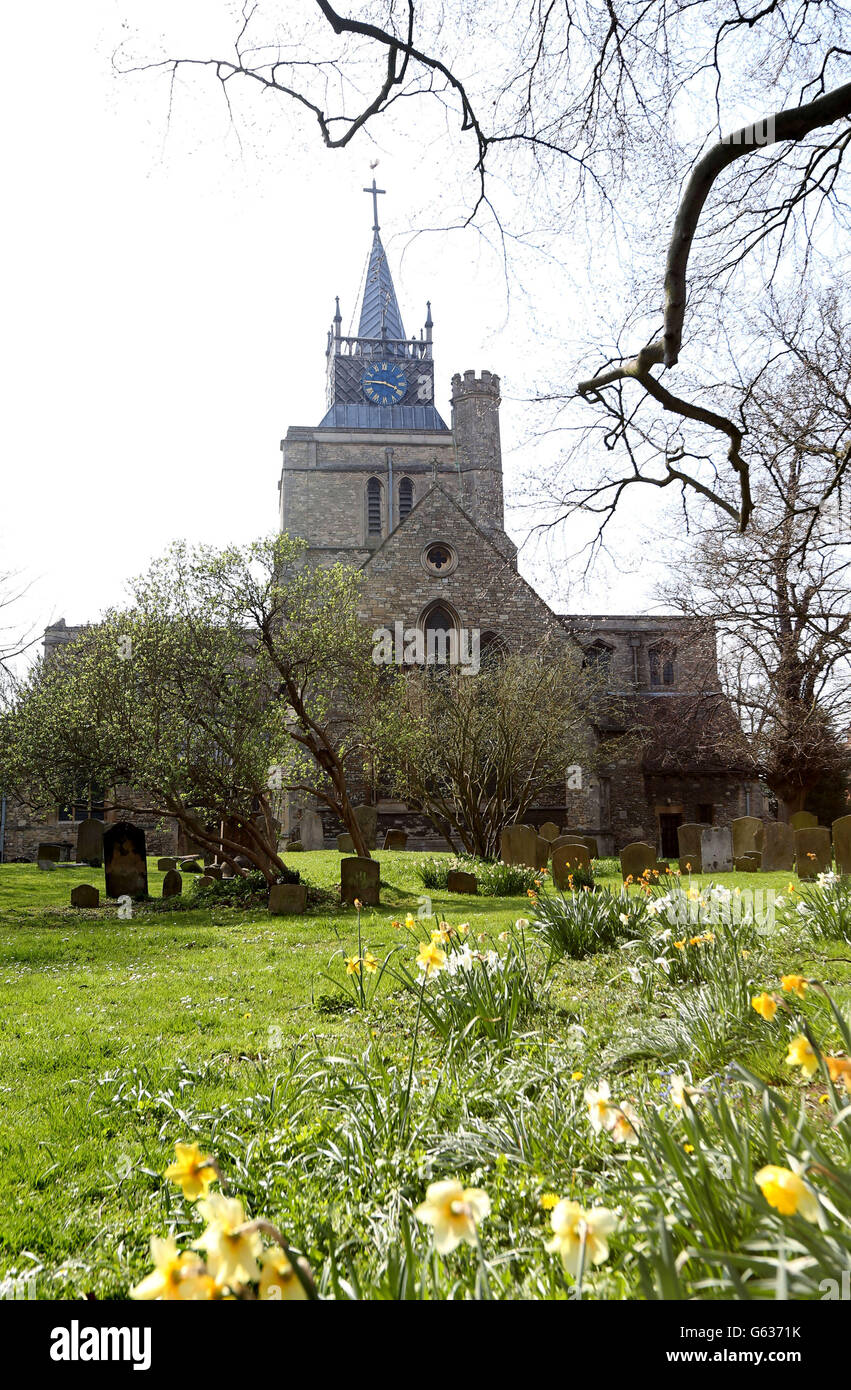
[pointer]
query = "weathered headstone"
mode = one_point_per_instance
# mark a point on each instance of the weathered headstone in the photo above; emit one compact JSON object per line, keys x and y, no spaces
{"x":287,"y":898}
{"x":566,"y":860}
{"x":213,"y":871}
{"x":549,"y":830}
{"x":190,"y":866}
{"x":636,"y":859}
{"x":49,"y":853}
{"x":228,"y":871}
{"x":172,"y":884}
{"x":367,"y":819}
{"x":125,"y":865}
{"x":803,"y":820}
{"x":165,"y":864}
{"x":778,"y":847}
{"x":748,"y":834}
{"x":590,"y":843}
{"x":568,"y":840}
{"x":359,"y":878}
{"x":688,"y":841}
{"x":90,"y":842}
{"x":205,"y":881}
{"x":345,"y":844}
{"x":458,"y":881}
{"x":312,"y":831}
{"x":813,"y":853}
{"x":517,"y":845}
{"x":542,"y":852}
{"x":85,"y":895}
{"x":842,"y":844}
{"x":716,"y":850}
{"x":747,"y":863}
{"x":396,"y":839}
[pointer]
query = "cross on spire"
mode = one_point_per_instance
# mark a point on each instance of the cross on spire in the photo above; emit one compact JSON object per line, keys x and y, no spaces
{"x":375,"y":192}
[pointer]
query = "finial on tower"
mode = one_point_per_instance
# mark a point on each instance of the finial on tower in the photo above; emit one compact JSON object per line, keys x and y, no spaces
{"x":375,"y":192}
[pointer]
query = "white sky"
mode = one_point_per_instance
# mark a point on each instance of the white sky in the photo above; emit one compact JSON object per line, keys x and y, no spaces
{"x":169,"y":284}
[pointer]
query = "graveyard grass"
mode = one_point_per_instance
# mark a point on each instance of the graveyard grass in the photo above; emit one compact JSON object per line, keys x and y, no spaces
{"x":120,"y":1037}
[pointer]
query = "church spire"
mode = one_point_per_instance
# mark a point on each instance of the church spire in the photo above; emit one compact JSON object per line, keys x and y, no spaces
{"x":379,"y":314}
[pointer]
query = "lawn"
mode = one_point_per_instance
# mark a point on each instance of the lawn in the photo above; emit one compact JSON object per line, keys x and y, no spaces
{"x":120,"y":1037}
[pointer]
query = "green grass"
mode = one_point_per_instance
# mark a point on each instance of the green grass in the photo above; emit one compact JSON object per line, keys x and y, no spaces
{"x":120,"y":1036}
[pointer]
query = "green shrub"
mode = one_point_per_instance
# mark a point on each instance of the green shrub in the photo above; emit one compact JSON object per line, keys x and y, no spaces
{"x":581,"y":923}
{"x":496,"y":880}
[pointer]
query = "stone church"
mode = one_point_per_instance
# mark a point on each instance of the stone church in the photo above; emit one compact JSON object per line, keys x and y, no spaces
{"x":385,"y":483}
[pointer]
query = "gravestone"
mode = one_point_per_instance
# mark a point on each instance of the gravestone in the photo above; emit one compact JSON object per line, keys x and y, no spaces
{"x":172,"y":884}
{"x":458,"y":881}
{"x":716,"y":850}
{"x":542,"y":852}
{"x":636,"y":859}
{"x":590,"y":844}
{"x":165,"y":864}
{"x":293,"y":847}
{"x":566,"y":859}
{"x":748,"y":834}
{"x":842,"y":844}
{"x":204,"y":881}
{"x":47,"y":866}
{"x":85,"y":895}
{"x":803,"y":820}
{"x":549,"y":830}
{"x":287,"y":898}
{"x":312,"y":831}
{"x":396,"y":839}
{"x":49,"y":853}
{"x":747,"y":863}
{"x":228,"y":871}
{"x":517,"y":845}
{"x":778,"y":847}
{"x":688,"y":841}
{"x":813,"y":854}
{"x":367,"y":819}
{"x":568,"y":840}
{"x":190,"y":866}
{"x":90,"y":842}
{"x":213,"y":871}
{"x":124,"y":862}
{"x":345,"y":844}
{"x":359,"y":878}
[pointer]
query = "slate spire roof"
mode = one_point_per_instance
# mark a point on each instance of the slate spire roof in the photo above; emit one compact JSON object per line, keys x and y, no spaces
{"x":379,"y":314}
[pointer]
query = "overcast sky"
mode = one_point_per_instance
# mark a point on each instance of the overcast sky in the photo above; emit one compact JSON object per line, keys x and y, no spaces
{"x":170,"y":278}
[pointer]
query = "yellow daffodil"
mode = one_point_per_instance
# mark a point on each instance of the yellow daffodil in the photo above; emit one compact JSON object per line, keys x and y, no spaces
{"x":370,"y":964}
{"x":765,"y":1005}
{"x":358,"y":904}
{"x":409,"y":922}
{"x":440,"y":935}
{"x":279,"y":1280}
{"x":231,"y":1251}
{"x":430,"y":958}
{"x":794,"y":984}
{"x":571,"y":1225}
{"x":352,"y":965}
{"x":840,"y":1070}
{"x":170,"y":1269}
{"x":464,"y":928}
{"x":453,"y":1212}
{"x":680,"y":945}
{"x":787,"y":1192}
{"x":801,"y":1055}
{"x":790,"y":887}
{"x":396,"y":924}
{"x":191,"y":1171}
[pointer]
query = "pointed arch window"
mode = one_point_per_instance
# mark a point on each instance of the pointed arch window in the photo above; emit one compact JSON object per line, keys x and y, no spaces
{"x":441,"y":636}
{"x":662,"y":657}
{"x":373,"y":507}
{"x":406,"y":497}
{"x":598,"y":657}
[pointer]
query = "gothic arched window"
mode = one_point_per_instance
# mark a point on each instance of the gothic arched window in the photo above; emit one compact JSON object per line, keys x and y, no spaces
{"x":598,"y":657}
{"x":406,"y":497}
{"x":440,"y":632}
{"x":373,"y":507}
{"x":662,"y":664}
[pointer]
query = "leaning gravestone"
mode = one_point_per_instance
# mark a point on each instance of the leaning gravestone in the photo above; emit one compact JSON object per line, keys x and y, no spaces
{"x":803,"y":820}
{"x":813,"y":853}
{"x":312,"y":831}
{"x":90,"y":842}
{"x":566,"y":859}
{"x":748,"y":834}
{"x":359,"y":878}
{"x":172,"y":884}
{"x":688,"y":842}
{"x":124,"y":862}
{"x":85,"y":895}
{"x":778,"y":847}
{"x":549,"y":830}
{"x":367,"y":819}
{"x":716,"y":850}
{"x":345,"y":844}
{"x":287,"y":898}
{"x":396,"y":839}
{"x":637,"y":859}
{"x":517,"y":845}
{"x":842,"y":844}
{"x":458,"y":881}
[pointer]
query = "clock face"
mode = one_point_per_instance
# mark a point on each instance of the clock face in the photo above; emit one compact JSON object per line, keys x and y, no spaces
{"x":384,"y":383}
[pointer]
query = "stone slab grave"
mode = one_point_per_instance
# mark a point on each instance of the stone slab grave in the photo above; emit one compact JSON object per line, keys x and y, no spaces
{"x":90,"y":842}
{"x":748,"y":834}
{"x":49,"y":854}
{"x":165,"y":864}
{"x":716,"y":850}
{"x":518,"y":845}
{"x":172,"y":884}
{"x":459,"y":881}
{"x":803,"y":820}
{"x":85,"y":895}
{"x":124,"y":862}
{"x":549,"y":830}
{"x":345,"y":844}
{"x":288,"y":898}
{"x":396,"y":839}
{"x":688,"y":842}
{"x":566,"y":859}
{"x":359,"y":878}
{"x":747,"y":863}
{"x":312,"y":831}
{"x":842,"y":844}
{"x":813,"y":852}
{"x":367,"y":819}
{"x":636,"y":859}
{"x":778,"y":847}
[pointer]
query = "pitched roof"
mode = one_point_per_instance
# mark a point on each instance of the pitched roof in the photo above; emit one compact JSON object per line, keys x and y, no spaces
{"x":379,"y":314}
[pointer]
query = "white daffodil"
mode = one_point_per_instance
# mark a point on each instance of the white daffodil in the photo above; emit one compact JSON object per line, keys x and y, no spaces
{"x":572,"y":1225}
